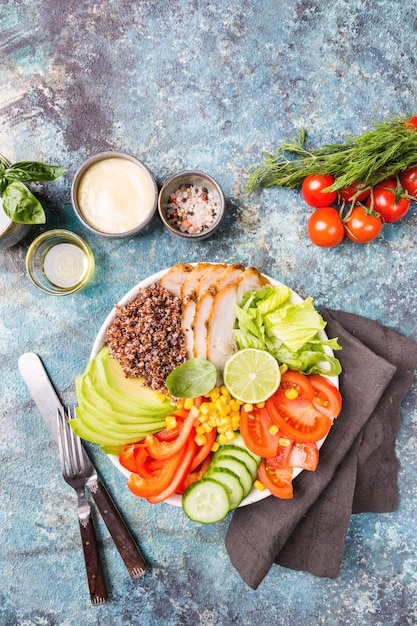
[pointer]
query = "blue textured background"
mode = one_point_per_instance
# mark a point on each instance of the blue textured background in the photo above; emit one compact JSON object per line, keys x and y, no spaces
{"x":199,"y":85}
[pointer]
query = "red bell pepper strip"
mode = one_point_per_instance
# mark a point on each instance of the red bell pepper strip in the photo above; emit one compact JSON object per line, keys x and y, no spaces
{"x":165,"y":449}
{"x":156,"y":481}
{"x":181,"y":471}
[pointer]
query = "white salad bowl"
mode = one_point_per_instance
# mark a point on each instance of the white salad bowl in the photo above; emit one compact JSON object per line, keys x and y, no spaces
{"x":176,"y":500}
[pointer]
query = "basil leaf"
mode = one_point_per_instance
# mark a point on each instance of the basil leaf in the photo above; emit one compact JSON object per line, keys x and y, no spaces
{"x":21,"y":205}
{"x":33,"y":171}
{"x":3,"y":185}
{"x":193,"y":378}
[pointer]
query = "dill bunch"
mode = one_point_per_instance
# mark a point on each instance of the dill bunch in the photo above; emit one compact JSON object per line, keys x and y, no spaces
{"x":389,"y":148}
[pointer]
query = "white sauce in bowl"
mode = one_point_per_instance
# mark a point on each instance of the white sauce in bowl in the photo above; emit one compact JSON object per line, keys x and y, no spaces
{"x":116,"y":195}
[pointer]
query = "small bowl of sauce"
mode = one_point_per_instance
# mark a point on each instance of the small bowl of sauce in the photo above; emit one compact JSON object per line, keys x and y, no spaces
{"x":114,"y":194}
{"x":59,"y":263}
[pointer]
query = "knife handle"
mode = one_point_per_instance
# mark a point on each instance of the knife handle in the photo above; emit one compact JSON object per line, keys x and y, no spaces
{"x":118,"y":530}
{"x":93,"y":566}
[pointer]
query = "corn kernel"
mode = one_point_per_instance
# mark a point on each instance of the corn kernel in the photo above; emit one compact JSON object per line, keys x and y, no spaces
{"x":188,"y":403}
{"x":171,"y":422}
{"x":247,"y":407}
{"x":207,"y":428}
{"x":194,"y":411}
{"x":214,"y":393}
{"x":258,"y":485}
{"x":222,"y":439}
{"x":200,"y":440}
{"x":215,"y":446}
{"x":283,"y":368}
{"x":230,"y":435}
{"x":273,"y":429}
{"x":200,"y":430}
{"x":284,"y":442}
{"x":205,"y":408}
{"x":291,"y":393}
{"x":260,"y":405}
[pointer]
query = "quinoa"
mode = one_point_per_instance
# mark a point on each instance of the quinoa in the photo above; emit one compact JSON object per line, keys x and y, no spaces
{"x":146,"y":336}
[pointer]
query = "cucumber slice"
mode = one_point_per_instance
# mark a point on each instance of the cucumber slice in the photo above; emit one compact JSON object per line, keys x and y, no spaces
{"x":235,"y":466}
{"x":231,"y":482}
{"x":206,"y":501}
{"x":241,"y":454}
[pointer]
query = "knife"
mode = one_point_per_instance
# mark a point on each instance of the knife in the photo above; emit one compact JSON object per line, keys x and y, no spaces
{"x":48,"y":403}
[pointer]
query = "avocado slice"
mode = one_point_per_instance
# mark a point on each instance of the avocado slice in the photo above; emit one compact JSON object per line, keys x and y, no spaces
{"x":100,"y":433}
{"x":131,"y":389}
{"x":113,"y":409}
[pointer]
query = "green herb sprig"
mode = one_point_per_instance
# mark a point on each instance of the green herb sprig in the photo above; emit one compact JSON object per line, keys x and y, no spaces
{"x":371,"y":157}
{"x":19,"y":203}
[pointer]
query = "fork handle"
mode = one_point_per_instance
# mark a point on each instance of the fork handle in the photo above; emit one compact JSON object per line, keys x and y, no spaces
{"x":94,"y":568}
{"x":118,"y":530}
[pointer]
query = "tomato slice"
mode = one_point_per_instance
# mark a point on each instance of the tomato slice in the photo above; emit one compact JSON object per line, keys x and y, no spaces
{"x":299,"y":382}
{"x":298,"y":419}
{"x":304,"y":455}
{"x":278,"y":480}
{"x":254,"y":428}
{"x":327,"y":398}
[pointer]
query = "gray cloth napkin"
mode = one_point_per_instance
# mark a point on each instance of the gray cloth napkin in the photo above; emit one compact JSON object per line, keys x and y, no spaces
{"x":358,"y":466}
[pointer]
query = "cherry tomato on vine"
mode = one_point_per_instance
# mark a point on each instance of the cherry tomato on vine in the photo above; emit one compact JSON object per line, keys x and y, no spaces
{"x":347,"y":193}
{"x":361,"y":227}
{"x":408,"y":179}
{"x":387,"y":203}
{"x":325,"y":228}
{"x":312,"y":190}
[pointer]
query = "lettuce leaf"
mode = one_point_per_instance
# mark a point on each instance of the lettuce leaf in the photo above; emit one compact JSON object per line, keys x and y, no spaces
{"x":267,"y":319}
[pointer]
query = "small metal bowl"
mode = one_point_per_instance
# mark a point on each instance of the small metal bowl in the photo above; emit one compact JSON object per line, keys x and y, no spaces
{"x":205,"y":186}
{"x":97,"y":194}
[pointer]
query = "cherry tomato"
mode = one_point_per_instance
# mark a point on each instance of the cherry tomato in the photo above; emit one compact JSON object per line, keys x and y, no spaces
{"x":291,"y":408}
{"x":408,"y":179}
{"x":412,"y":123}
{"x":387,"y":203}
{"x":312,"y":190}
{"x":254,"y":428}
{"x":278,"y":480}
{"x":362,"y":227}
{"x":347,"y":194}
{"x":325,"y":228}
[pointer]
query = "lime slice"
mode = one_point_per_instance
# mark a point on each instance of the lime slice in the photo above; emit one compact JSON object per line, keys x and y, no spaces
{"x":251,"y":375}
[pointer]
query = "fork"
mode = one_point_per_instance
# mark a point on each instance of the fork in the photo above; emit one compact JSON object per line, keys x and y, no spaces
{"x":75,"y":472}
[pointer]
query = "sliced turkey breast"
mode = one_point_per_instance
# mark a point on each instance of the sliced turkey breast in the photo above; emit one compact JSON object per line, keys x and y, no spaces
{"x":203,"y":307}
{"x":175,"y":277}
{"x":222,"y":317}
